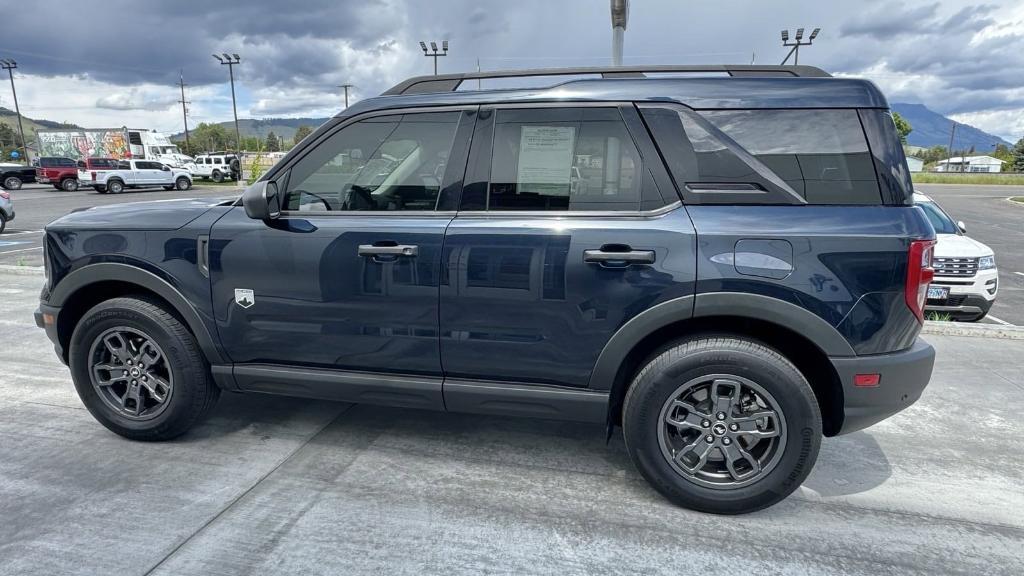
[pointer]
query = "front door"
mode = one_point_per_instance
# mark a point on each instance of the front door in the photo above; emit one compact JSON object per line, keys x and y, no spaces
{"x":565,"y":232}
{"x":347,"y":277}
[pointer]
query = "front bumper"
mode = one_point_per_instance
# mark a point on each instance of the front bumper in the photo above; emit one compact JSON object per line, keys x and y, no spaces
{"x":46,"y":318}
{"x":902,"y":378}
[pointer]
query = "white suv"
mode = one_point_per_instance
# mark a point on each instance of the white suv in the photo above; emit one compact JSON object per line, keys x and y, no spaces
{"x":214,"y":166}
{"x":966,"y":279}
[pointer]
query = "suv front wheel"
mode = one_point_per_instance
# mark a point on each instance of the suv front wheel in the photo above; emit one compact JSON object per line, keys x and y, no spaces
{"x":139,"y":371}
{"x":722,"y":425}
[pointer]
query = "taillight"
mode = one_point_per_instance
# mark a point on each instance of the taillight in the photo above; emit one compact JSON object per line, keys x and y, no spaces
{"x":919,"y":274}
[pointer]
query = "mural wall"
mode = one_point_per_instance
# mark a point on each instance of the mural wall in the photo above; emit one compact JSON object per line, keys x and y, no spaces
{"x":79,"y":144}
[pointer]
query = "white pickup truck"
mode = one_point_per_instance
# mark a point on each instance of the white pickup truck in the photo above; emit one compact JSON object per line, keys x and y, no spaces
{"x":133,"y":174}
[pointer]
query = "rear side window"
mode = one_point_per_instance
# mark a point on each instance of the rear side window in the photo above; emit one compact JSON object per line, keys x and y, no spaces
{"x":102,"y":163}
{"x":551,"y":159}
{"x":820,"y":156}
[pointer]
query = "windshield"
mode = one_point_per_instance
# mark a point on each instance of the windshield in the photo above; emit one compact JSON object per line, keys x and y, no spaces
{"x":942,"y":223}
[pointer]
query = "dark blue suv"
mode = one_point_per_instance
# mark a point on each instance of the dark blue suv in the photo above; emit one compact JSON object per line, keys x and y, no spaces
{"x":726,"y":263}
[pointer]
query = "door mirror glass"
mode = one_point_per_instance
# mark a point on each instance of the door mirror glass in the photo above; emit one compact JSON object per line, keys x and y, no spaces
{"x":261,"y":201}
{"x":165,"y":168}
{"x":963,"y":227}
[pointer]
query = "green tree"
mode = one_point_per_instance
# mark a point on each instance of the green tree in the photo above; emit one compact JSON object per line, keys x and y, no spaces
{"x":210,"y":137}
{"x":301,"y":132}
{"x":902,"y":126}
{"x":1018,"y":156}
{"x":272,"y":143}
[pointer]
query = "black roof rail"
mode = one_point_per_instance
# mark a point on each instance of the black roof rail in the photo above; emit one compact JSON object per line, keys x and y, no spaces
{"x":451,"y":82}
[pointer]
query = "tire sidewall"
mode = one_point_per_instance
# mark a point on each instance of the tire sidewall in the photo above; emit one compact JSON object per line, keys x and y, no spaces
{"x":69,"y":185}
{"x":115,"y":187}
{"x":182,"y":187}
{"x":791,"y":392}
{"x":12,"y":183}
{"x":184,"y":372}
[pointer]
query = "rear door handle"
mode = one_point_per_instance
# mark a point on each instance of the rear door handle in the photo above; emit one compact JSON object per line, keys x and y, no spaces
{"x":620,"y":257}
{"x":388,"y":250}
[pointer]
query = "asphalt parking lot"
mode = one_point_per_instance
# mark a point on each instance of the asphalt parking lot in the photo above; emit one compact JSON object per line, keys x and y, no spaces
{"x":36,"y":205}
{"x":276,"y":485}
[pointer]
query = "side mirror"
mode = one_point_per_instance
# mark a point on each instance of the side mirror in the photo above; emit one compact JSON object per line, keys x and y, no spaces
{"x":81,"y":164}
{"x":165,"y":168}
{"x":261,"y":201}
{"x":963,"y":227}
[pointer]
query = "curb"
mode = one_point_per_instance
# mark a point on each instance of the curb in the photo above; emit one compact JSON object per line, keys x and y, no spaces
{"x":973,"y":330}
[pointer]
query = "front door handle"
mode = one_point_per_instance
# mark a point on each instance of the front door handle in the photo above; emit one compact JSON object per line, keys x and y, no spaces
{"x":388,"y":250}
{"x":618,"y":257}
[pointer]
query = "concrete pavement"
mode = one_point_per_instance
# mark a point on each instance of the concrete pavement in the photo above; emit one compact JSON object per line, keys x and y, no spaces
{"x":276,"y":485}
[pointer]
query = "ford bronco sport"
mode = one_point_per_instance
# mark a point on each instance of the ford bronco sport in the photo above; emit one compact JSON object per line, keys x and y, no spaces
{"x":728,"y":268}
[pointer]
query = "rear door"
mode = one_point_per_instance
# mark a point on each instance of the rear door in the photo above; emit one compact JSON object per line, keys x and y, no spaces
{"x":568,"y":227}
{"x":347,"y":278}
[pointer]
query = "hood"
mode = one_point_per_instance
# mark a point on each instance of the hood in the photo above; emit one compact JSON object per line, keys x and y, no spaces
{"x":154,"y":215}
{"x":956,"y":246}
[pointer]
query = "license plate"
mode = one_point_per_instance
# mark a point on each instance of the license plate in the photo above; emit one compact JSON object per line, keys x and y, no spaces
{"x":938,"y":292}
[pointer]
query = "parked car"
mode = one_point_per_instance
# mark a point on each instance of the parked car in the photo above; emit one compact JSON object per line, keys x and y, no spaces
{"x":217,"y":166}
{"x":6,"y":209}
{"x":735,"y":269}
{"x":93,"y":170}
{"x":138,"y":174}
{"x":966,"y":279}
{"x":62,"y":173}
{"x":12,"y":176}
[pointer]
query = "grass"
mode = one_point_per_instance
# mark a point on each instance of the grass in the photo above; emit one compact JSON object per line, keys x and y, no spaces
{"x":967,"y":178}
{"x":1018,"y":199}
{"x":227,"y":183}
{"x":938,"y":316}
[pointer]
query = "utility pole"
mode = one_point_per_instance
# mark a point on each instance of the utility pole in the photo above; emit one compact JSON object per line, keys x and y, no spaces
{"x":230,"y":60}
{"x":795,"y":50}
{"x":620,"y":14}
{"x":184,"y":110}
{"x":435,"y":55}
{"x":949,"y":161}
{"x":10,"y":65}
{"x":346,"y":87}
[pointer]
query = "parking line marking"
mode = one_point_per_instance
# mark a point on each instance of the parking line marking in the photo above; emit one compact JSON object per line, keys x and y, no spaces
{"x":22,"y":250}
{"x":22,"y":232}
{"x":1019,"y":273}
{"x":999,"y":321}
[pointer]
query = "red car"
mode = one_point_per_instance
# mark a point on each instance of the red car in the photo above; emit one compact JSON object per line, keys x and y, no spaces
{"x":61,"y":172}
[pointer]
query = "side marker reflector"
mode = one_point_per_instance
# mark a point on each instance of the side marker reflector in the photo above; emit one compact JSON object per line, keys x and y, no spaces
{"x":866,"y":380}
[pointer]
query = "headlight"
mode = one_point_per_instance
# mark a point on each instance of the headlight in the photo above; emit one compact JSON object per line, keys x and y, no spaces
{"x":986,"y":262}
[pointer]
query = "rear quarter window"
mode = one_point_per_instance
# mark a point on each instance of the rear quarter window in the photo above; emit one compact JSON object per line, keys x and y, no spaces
{"x":813,"y":156}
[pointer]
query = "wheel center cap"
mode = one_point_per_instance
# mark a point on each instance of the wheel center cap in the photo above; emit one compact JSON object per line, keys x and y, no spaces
{"x":135,"y":372}
{"x":719,"y":429}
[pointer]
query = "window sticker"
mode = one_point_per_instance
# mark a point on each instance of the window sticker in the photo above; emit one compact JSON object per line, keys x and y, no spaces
{"x":545,"y":159}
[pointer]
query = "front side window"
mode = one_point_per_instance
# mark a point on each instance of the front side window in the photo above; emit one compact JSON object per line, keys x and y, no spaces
{"x":559,"y":159}
{"x":942,"y":223}
{"x":392,"y":162}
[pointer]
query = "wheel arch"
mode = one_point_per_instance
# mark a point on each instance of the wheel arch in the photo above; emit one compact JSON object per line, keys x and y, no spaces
{"x":82,"y":289}
{"x":807,"y":342}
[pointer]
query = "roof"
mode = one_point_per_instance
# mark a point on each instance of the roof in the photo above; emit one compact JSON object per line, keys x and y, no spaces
{"x":972,"y":160}
{"x":743,"y":87}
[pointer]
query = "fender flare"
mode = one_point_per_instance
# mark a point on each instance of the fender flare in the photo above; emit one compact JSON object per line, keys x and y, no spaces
{"x":107,"y":271}
{"x":734,"y":304}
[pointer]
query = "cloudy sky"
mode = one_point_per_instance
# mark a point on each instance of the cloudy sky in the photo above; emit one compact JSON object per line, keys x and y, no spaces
{"x":117,"y":62}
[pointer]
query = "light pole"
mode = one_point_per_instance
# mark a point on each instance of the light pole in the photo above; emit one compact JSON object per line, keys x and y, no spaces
{"x":346,"y":87}
{"x":620,"y":14}
{"x":230,"y":60}
{"x":184,"y":109}
{"x":797,"y":43}
{"x":435,"y":54}
{"x":10,"y":65}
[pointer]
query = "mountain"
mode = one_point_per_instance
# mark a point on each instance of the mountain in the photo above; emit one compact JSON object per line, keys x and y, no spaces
{"x":10,"y":118}
{"x":932,"y":129}
{"x":282,"y":127}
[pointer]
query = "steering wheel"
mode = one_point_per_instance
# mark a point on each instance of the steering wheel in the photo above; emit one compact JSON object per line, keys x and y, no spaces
{"x":360,"y":193}
{"x":319,"y":198}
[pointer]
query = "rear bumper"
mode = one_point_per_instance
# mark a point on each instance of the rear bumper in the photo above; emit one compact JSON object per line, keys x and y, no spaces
{"x":903,"y":377}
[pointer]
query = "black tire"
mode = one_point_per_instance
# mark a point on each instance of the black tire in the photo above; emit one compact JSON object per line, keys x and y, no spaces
{"x":168,"y":187}
{"x":69,"y":184}
{"x":192,"y":393}
{"x":182,"y":184}
{"x":100,"y":189}
{"x":218,"y":176}
{"x":57,"y":187}
{"x":115,"y":186}
{"x":3,"y":222}
{"x":654,"y":389}
{"x":12,"y":183}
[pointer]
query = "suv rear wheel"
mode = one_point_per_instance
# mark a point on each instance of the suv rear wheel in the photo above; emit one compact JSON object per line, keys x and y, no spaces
{"x":218,"y":176}
{"x":139,"y":371}
{"x":722,"y":424}
{"x":69,"y":184}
